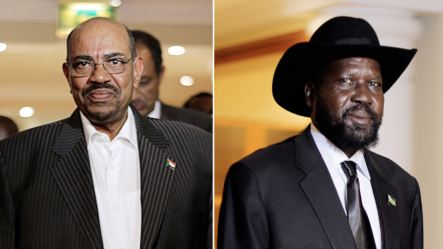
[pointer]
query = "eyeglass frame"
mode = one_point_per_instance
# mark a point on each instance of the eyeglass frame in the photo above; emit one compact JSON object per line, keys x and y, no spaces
{"x":94,"y":64}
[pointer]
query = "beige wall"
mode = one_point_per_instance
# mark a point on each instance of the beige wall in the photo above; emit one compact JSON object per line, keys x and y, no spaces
{"x":244,"y":92}
{"x":428,"y":123}
{"x":246,"y":115}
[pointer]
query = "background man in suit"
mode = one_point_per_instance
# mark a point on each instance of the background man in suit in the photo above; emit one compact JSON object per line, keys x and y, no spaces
{"x":324,"y":188}
{"x":146,"y":95}
{"x":201,"y":101}
{"x":105,"y":177}
{"x":7,"y":127}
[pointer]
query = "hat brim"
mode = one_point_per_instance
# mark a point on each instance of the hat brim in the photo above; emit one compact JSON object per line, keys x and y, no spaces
{"x":301,"y":60}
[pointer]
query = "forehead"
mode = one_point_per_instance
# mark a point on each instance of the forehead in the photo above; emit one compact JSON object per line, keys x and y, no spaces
{"x":144,"y":53}
{"x":353,"y":63}
{"x":99,"y":38}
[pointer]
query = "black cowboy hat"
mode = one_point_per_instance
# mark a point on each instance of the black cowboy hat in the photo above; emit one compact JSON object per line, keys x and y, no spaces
{"x":340,"y":37}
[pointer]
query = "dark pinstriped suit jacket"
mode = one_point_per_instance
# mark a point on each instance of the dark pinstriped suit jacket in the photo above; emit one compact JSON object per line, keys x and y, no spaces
{"x":47,"y":195}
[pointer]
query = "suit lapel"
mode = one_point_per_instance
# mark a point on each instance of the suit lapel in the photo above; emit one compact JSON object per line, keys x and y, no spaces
{"x":157,"y":171}
{"x":73,"y":176}
{"x":321,"y":193}
{"x":165,"y":112}
{"x":385,"y":195}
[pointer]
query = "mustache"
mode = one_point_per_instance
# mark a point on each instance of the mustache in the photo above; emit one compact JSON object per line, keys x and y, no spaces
{"x":105,"y":85}
{"x":359,"y":107}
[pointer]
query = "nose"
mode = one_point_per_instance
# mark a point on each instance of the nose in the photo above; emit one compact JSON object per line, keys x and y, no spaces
{"x":99,"y":74}
{"x":362,"y":93}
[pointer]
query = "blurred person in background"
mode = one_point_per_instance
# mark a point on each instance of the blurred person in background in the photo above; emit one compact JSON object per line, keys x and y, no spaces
{"x":201,"y":101}
{"x":146,"y":96}
{"x":7,"y":127}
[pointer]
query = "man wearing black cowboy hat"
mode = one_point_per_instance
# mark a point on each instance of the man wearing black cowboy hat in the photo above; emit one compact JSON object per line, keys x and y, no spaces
{"x":324,"y":188}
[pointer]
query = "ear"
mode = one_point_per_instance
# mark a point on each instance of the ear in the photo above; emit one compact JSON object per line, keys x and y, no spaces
{"x":65,"y":67}
{"x":160,"y":75}
{"x":66,"y":73}
{"x":309,"y":93}
{"x":138,"y":70}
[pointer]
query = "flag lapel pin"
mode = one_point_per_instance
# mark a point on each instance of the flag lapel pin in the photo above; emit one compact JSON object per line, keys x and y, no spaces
{"x":392,"y":201}
{"x":171,"y":164}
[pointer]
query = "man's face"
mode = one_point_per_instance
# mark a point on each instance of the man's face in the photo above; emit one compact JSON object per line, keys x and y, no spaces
{"x":146,"y":93}
{"x":347,"y":102}
{"x":102,"y":96}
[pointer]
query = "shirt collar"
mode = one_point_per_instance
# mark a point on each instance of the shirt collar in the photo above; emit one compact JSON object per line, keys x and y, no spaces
{"x":156,"y":112}
{"x":128,"y":131}
{"x":331,"y":153}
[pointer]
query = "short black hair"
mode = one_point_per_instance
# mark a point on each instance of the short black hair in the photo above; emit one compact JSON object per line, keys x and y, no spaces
{"x":188,"y":103}
{"x":151,"y":43}
{"x":9,"y":125}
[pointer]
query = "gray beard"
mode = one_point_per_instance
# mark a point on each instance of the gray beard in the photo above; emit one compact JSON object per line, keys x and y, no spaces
{"x":344,"y":135}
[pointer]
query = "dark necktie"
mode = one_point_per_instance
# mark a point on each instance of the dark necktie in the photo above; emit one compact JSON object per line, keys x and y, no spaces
{"x":358,"y":220}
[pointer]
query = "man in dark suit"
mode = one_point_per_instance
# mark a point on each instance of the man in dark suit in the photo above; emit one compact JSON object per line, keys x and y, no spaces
{"x":105,"y":177}
{"x":146,"y":95}
{"x":324,"y":188}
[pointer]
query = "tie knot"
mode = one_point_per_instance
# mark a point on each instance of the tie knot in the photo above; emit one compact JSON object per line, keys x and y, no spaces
{"x":349,"y":168}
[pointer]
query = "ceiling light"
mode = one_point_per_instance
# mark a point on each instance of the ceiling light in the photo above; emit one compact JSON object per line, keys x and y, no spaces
{"x":176,"y":50}
{"x":186,"y":80}
{"x":115,"y":3}
{"x":3,"y":46}
{"x":26,"y":112}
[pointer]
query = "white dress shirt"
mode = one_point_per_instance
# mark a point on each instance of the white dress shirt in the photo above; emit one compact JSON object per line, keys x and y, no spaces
{"x":157,"y":111}
{"x":115,"y":167}
{"x":333,"y":156}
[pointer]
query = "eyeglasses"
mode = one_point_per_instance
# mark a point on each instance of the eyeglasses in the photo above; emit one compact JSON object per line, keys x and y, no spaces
{"x":83,"y":68}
